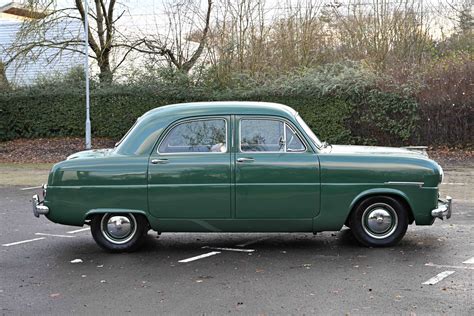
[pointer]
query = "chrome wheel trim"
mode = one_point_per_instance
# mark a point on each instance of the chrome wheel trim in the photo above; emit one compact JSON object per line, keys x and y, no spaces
{"x":119,"y":228}
{"x":379,"y":220}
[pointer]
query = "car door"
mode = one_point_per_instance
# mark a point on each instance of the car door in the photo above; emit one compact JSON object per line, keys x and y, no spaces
{"x":189,"y":173}
{"x":277,"y":173}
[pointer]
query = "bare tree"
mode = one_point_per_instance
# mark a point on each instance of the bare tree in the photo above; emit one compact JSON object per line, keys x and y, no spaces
{"x":178,"y":46}
{"x":380,"y":30}
{"x":57,"y":30}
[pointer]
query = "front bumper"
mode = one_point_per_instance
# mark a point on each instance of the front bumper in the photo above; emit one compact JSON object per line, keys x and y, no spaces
{"x":444,"y":208}
{"x":38,"y":207}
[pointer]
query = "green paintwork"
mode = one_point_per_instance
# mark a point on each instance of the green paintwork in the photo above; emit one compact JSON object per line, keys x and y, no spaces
{"x":307,"y":191}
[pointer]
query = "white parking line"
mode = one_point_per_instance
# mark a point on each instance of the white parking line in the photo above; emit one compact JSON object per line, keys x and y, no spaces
{"x":430,"y":264}
{"x":22,"y":242}
{"x":78,"y":230}
{"x":228,"y":249}
{"x":469,"y":261}
{"x":205,"y":255}
{"x":438,"y":277}
{"x":54,"y":235}
{"x":252,"y":242}
{"x":453,"y":183}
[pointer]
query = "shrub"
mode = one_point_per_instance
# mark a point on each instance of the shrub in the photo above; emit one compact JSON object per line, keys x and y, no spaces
{"x":342,"y":103}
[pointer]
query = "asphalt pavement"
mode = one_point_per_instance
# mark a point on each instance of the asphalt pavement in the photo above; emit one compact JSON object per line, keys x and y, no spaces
{"x":47,"y":268}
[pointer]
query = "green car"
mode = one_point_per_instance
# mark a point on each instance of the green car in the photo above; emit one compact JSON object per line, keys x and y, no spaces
{"x":239,"y":167}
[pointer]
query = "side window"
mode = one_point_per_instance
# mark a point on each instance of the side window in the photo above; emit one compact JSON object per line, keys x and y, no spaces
{"x":293,"y":142}
{"x":208,"y":136}
{"x":262,"y":135}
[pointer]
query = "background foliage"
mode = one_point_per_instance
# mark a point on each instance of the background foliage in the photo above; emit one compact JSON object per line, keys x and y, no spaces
{"x":342,"y":103}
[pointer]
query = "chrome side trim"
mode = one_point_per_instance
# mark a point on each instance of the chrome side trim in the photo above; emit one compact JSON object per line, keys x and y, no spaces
{"x":404,"y":183}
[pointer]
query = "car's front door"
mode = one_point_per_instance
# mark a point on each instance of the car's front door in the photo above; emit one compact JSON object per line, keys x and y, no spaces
{"x":189,"y":173}
{"x":277,"y":173}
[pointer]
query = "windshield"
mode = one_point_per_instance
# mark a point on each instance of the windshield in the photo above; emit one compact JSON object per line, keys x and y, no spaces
{"x":126,"y":134}
{"x":308,"y":131}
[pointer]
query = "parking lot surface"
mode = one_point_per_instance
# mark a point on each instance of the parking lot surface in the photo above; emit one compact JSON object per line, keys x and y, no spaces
{"x":47,"y":268}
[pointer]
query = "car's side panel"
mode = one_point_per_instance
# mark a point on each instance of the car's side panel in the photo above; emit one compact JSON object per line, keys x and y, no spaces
{"x":277,"y":185}
{"x":79,"y":186}
{"x":346,"y":179}
{"x":190,"y":186}
{"x":233,"y":225}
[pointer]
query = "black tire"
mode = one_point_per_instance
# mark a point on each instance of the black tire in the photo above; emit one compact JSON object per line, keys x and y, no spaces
{"x":379,"y":221}
{"x":127,"y":235}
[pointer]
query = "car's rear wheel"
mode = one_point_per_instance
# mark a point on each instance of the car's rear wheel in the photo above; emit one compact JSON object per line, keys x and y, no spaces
{"x":119,"y":232}
{"x":379,"y":221}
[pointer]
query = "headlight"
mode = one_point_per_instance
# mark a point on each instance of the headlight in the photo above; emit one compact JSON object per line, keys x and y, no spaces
{"x":441,"y":174}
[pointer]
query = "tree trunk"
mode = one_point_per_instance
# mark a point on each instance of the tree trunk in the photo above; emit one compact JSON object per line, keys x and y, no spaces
{"x":105,"y":74}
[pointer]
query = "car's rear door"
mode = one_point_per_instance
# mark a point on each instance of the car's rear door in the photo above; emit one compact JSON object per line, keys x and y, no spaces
{"x":277,"y":174}
{"x":189,"y":174}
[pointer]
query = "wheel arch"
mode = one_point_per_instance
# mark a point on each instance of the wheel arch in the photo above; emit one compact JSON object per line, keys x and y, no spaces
{"x":88,"y":215}
{"x":393,"y":193}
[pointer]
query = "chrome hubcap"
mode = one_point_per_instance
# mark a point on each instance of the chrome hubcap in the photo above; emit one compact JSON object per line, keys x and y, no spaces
{"x":118,"y":229}
{"x":379,"y":220}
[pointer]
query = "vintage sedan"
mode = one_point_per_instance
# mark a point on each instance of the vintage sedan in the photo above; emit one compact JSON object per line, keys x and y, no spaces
{"x":239,"y":167}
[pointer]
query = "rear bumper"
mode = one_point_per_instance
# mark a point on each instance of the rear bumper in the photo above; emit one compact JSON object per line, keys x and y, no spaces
{"x":38,"y":207}
{"x":444,"y":208}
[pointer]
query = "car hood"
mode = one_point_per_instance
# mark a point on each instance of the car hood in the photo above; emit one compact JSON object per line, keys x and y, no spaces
{"x":94,"y":153}
{"x":376,"y":150}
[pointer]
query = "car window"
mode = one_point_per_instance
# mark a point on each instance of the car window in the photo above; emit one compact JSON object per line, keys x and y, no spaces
{"x":206,"y":136}
{"x":261,"y":135}
{"x":293,"y":142}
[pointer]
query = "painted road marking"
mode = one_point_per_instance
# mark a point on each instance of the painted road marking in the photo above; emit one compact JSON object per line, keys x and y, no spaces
{"x":252,"y":242}
{"x":228,"y":249}
{"x":31,"y":188}
{"x":469,"y":261}
{"x":453,"y":183}
{"x":430,"y":264}
{"x":22,"y":242}
{"x":78,"y":230}
{"x":438,"y":277}
{"x":54,"y":235}
{"x":205,"y":255}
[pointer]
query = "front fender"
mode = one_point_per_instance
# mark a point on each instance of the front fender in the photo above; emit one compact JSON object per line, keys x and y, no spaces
{"x":380,"y":191}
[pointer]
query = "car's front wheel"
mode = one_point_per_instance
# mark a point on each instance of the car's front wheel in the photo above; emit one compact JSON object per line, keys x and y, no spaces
{"x":119,"y":232}
{"x":379,"y":221}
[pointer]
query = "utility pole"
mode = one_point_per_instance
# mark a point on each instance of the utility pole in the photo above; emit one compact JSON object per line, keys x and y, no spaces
{"x":86,"y":69}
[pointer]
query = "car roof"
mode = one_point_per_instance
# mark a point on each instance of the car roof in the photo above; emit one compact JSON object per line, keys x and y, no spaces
{"x":222,"y":108}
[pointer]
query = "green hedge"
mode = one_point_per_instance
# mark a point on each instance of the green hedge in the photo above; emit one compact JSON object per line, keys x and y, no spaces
{"x":36,"y":113}
{"x":341,"y":104}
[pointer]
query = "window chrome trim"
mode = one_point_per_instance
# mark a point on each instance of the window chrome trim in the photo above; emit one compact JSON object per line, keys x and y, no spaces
{"x":271,"y":118}
{"x":187,"y":120}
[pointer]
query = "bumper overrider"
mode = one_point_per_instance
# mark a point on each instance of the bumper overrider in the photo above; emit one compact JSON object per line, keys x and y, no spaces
{"x":444,"y":208}
{"x":38,"y":206}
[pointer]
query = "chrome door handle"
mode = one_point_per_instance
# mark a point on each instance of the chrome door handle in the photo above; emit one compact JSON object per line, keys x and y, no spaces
{"x":245,"y":159}
{"x":159,"y":161}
